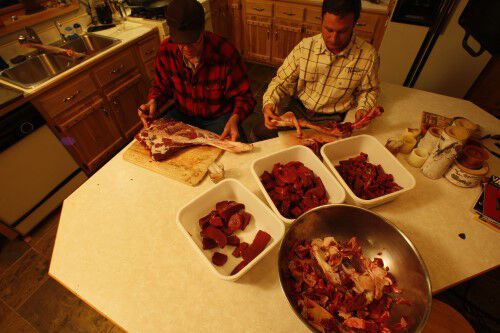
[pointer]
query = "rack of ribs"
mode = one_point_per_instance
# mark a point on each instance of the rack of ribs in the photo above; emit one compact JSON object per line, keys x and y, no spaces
{"x":165,"y":137}
{"x":332,"y":129}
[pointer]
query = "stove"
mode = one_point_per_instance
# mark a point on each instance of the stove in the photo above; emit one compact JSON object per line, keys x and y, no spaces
{"x":150,"y":14}
{"x":155,"y":17}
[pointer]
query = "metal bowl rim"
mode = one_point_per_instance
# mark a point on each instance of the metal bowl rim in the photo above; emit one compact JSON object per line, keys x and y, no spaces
{"x":412,"y":246}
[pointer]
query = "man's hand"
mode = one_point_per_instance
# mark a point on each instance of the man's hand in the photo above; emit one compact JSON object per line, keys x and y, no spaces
{"x":231,"y":129}
{"x":270,"y":114}
{"x":147,"y":112}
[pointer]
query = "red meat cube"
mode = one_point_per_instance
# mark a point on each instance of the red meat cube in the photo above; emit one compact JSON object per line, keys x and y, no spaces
{"x":219,"y":259}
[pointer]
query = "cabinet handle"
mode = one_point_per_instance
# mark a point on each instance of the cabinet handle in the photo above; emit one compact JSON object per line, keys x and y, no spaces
{"x":70,"y":98}
{"x":361,"y":24}
{"x":289,"y":14}
{"x":258,"y":9}
{"x":106,"y":113}
{"x":116,"y":70}
{"x":268,"y":33}
{"x":276,"y":35}
{"x":317,"y":17}
{"x":148,"y":52}
{"x":115,"y":102}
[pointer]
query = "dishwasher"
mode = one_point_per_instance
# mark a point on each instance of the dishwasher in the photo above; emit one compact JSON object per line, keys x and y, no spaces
{"x":36,"y":172}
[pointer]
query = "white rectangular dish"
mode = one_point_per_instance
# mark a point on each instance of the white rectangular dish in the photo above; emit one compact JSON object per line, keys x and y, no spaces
{"x":262,"y":219}
{"x":334,"y":152}
{"x":336,"y":193}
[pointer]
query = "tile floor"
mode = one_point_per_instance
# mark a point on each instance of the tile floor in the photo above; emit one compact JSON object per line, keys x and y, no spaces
{"x":31,"y":301}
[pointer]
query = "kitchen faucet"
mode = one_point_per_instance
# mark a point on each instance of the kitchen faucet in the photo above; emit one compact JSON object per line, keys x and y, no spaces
{"x":30,"y":37}
{"x":59,"y":26}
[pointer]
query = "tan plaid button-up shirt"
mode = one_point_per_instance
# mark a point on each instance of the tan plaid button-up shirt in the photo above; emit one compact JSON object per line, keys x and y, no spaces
{"x":325,"y":82}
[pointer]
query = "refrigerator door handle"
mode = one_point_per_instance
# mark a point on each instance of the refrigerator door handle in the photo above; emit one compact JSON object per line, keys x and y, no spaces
{"x":468,"y":48}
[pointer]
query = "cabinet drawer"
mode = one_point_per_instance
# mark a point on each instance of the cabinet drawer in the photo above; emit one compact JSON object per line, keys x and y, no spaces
{"x":289,"y":12}
{"x":67,"y":95}
{"x":261,"y":8}
{"x":313,"y":15}
{"x":367,"y":22}
{"x":114,"y":68}
{"x":150,"y":69}
{"x":367,"y":36}
{"x":149,"y":48}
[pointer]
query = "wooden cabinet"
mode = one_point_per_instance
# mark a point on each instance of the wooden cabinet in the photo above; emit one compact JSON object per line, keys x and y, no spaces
{"x":220,"y":15}
{"x":91,"y":134}
{"x":94,"y":112}
{"x":258,"y":39}
{"x":271,"y":29}
{"x":285,"y":36}
{"x":236,"y":22}
{"x":125,"y":99}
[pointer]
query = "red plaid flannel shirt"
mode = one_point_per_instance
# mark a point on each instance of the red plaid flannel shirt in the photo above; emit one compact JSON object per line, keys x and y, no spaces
{"x":218,"y":85}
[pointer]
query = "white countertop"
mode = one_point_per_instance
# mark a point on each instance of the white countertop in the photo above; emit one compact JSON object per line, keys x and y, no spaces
{"x":118,"y":247}
{"x":127,"y":34}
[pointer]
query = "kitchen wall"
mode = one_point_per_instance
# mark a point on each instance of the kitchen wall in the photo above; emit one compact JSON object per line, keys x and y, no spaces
{"x":449,"y":70}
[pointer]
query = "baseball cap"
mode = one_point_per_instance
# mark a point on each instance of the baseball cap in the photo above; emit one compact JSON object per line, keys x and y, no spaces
{"x":186,"y":21}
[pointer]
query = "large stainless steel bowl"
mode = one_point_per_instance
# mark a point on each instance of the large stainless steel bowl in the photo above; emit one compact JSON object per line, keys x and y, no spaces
{"x":376,"y":235}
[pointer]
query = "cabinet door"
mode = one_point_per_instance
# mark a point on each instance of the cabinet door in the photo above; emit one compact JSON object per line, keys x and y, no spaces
{"x":258,"y":39}
{"x":285,"y":37}
{"x":311,"y":30}
{"x":236,"y":24}
{"x":125,"y":99}
{"x":219,"y":12}
{"x":91,"y":134}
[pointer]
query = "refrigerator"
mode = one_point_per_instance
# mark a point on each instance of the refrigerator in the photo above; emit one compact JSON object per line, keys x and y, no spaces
{"x":422,"y":48}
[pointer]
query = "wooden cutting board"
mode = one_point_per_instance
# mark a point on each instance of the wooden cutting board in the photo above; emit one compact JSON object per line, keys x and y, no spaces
{"x":188,"y":166}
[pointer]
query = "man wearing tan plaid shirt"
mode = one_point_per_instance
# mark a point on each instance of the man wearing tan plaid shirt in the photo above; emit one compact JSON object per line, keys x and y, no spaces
{"x":330,"y":73}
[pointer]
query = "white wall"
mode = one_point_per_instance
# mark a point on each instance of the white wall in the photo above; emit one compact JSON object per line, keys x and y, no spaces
{"x":450,"y":70}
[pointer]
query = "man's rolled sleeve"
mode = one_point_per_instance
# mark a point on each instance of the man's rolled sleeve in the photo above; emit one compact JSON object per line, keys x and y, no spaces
{"x":238,"y":88}
{"x":369,"y":89}
{"x":285,"y":81}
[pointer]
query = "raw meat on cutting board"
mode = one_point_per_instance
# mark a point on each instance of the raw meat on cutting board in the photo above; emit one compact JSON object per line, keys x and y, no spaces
{"x":164,"y":137}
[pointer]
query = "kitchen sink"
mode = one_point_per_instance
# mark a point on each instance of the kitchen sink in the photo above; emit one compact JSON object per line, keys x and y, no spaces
{"x":39,"y":68}
{"x":89,"y":44}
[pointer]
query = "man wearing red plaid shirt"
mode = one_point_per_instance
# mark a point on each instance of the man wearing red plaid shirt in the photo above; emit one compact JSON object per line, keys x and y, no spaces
{"x":202,"y":72}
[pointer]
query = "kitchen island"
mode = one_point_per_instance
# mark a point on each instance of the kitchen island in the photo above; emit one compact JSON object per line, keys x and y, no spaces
{"x":118,"y":247}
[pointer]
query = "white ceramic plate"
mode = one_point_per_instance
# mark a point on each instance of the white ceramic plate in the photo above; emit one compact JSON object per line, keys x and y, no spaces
{"x":377,"y":154}
{"x":336,"y":193}
{"x":262,"y":219}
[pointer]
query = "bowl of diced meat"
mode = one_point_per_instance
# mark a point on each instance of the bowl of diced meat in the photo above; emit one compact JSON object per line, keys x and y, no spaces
{"x":294,"y":180}
{"x":346,"y":269}
{"x":369,"y":173}
{"x":230,"y":228}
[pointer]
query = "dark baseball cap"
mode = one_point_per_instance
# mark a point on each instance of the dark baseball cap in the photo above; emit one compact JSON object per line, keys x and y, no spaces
{"x":186,"y":21}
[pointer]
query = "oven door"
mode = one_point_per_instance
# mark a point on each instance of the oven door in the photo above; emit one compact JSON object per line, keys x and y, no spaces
{"x":34,"y":168}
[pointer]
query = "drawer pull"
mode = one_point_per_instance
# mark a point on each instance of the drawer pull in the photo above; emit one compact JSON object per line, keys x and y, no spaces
{"x":317,"y":17}
{"x":116,"y":70}
{"x":106,"y":113}
{"x":289,"y":14}
{"x":258,"y":9}
{"x":361,"y":24}
{"x":70,"y":98}
{"x":148,"y":52}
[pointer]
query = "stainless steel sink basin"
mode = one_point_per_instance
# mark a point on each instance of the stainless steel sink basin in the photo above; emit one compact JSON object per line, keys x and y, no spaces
{"x":42,"y":67}
{"x":90,"y":44}
{"x":38,"y":69}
